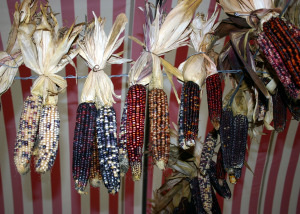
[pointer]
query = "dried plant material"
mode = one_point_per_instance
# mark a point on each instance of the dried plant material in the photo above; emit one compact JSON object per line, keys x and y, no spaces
{"x":46,"y":50}
{"x":12,"y":58}
{"x":97,"y":50}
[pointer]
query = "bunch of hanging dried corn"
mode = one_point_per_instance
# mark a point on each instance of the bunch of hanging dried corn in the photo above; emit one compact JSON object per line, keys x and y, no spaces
{"x":27,"y":133}
{"x":107,"y":148}
{"x":136,"y":105}
{"x":83,"y":144}
{"x":159,"y":127}
{"x":189,"y":114}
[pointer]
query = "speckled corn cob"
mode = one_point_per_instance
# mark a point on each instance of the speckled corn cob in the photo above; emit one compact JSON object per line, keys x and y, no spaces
{"x":95,"y":174}
{"x":208,"y":151}
{"x":159,"y":127}
{"x":220,"y":185}
{"x":27,"y":133}
{"x":196,"y":197}
{"x":108,"y":149}
{"x":214,"y":99}
{"x":221,"y":173}
{"x":205,"y":192}
{"x":122,"y":141}
{"x":279,"y":112}
{"x":48,"y":138}
{"x":136,"y":103}
{"x":83,"y":144}
{"x":189,"y":114}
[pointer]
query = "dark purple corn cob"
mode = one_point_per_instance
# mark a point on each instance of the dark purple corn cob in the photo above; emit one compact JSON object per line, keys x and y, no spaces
{"x":135,"y":123}
{"x":214,"y":99}
{"x":221,"y":173}
{"x":83,"y":144}
{"x":107,"y":148}
{"x":189,"y":114}
{"x":215,"y":204}
{"x":196,"y":198}
{"x":208,"y":151}
{"x":122,"y":141}
{"x":220,"y":185}
{"x":262,"y":106}
{"x":279,"y":112}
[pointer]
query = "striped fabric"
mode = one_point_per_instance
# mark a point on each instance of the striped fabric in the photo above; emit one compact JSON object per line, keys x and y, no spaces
{"x":274,"y":160}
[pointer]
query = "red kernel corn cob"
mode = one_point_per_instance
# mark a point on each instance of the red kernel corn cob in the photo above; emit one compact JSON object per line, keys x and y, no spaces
{"x":214,"y":99}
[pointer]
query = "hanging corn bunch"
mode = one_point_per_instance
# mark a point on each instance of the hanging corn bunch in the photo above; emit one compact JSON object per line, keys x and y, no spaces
{"x":195,"y":70}
{"x":12,"y":58}
{"x":97,"y":50}
{"x":45,"y":50}
{"x":161,"y":34}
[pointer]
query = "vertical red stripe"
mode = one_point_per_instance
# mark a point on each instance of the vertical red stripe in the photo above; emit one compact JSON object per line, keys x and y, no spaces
{"x":289,"y":178}
{"x":1,"y":195}
{"x":68,"y":16}
{"x":238,"y":187}
{"x":11,"y":8}
{"x":113,"y":203}
{"x":129,"y":193}
{"x":56,"y":186}
{"x":258,"y":172}
{"x":149,"y":183}
{"x":95,"y":200}
{"x":10,"y":129}
{"x":278,"y":150}
{"x":93,"y":5}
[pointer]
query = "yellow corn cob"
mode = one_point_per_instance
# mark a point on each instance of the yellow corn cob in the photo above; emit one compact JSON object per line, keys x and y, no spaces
{"x":48,"y":138}
{"x":27,"y":134}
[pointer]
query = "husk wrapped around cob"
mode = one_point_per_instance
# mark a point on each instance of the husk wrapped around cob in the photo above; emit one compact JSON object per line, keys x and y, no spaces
{"x":46,"y":49}
{"x":11,"y":58}
{"x":162,"y":34}
{"x":98,"y":119}
{"x":195,"y":70}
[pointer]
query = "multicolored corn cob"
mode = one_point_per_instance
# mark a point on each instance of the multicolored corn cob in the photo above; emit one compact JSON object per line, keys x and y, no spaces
{"x":48,"y":138}
{"x":136,"y":103}
{"x":208,"y":151}
{"x":83,"y":144}
{"x":27,"y":133}
{"x":220,"y":185}
{"x":189,"y":114}
{"x":195,"y":193}
{"x":159,"y":127}
{"x":95,"y":174}
{"x":122,"y":141}
{"x":221,"y":173}
{"x":205,"y":192}
{"x":214,"y":99}
{"x":279,"y":112}
{"x":106,"y":127}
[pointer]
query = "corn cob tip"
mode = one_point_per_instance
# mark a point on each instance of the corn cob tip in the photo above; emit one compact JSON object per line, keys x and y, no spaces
{"x":232,"y":179}
{"x":82,"y":192}
{"x":161,"y":164}
{"x":23,"y":170}
{"x":136,"y":170}
{"x":216,"y":124}
{"x":95,"y":182}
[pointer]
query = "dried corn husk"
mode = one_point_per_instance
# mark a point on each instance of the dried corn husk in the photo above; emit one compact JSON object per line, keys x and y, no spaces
{"x":46,"y":50}
{"x":198,"y":66}
{"x":97,"y":50}
{"x":12,"y":57}
{"x":162,"y":34}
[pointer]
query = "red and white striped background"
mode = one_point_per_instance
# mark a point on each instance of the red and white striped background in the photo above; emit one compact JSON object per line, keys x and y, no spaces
{"x":273,"y":188}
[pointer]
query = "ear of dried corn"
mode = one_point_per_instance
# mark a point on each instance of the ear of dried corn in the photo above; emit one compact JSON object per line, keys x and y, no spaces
{"x":122,"y":143}
{"x":279,"y":112}
{"x":206,"y":192}
{"x":27,"y":133}
{"x":95,"y":174}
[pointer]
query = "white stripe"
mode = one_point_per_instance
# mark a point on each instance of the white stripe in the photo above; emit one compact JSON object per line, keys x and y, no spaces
{"x":157,"y":179}
{"x":252,"y":156}
{"x":284,"y":166}
{"x":64,"y":152}
{"x":295,"y":190}
{"x":5,"y":23}
{"x":204,"y":6}
{"x":85,"y":201}
{"x":104,"y":200}
{"x":138,"y":192}
{"x":106,"y":11}
{"x":46,"y":192}
{"x":80,"y":10}
{"x":56,"y":7}
{"x":5,"y":170}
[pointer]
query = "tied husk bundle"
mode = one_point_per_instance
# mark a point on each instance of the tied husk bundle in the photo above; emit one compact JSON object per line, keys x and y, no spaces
{"x":198,"y":66}
{"x":11,"y":58}
{"x":162,"y":34}
{"x":97,"y":50}
{"x":47,"y":49}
